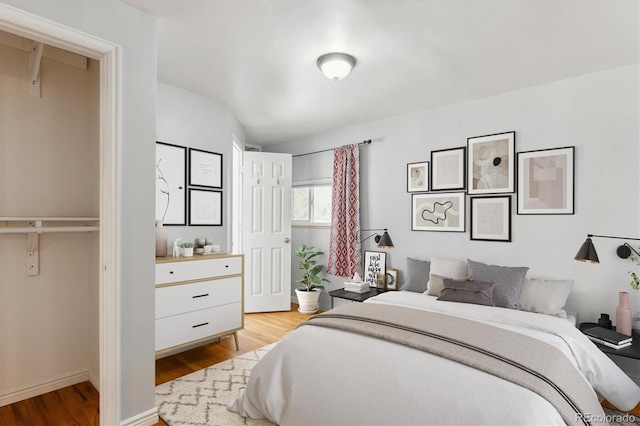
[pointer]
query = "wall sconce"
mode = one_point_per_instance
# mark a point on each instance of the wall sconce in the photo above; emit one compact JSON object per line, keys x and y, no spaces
{"x":336,"y":66}
{"x":588,"y":254}
{"x":384,"y":240}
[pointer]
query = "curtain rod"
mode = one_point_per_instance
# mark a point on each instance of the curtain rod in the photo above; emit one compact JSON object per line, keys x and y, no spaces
{"x":367,"y":142}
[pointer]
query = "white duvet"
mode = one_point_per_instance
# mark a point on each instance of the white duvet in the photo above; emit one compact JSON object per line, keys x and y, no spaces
{"x":323,"y":376}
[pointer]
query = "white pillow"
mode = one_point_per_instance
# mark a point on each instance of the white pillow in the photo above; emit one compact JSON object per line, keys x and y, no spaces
{"x":449,"y":268}
{"x":545,"y":296}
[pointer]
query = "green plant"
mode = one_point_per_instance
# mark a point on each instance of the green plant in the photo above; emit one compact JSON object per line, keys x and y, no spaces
{"x":635,"y":282}
{"x":186,"y":245}
{"x":311,"y":270}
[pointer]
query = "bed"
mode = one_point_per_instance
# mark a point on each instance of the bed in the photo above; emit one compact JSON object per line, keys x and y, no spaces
{"x":327,"y":375}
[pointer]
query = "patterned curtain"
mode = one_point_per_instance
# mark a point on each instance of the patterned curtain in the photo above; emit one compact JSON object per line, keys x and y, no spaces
{"x":344,"y":247}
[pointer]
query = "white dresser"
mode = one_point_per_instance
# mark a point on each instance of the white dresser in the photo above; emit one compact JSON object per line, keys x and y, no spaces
{"x":198,"y":299}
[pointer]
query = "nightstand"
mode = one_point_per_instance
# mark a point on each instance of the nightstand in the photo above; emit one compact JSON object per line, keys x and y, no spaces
{"x":353,"y":296}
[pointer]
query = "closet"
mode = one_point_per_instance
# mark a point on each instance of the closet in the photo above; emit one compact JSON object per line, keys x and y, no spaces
{"x":49,"y":190}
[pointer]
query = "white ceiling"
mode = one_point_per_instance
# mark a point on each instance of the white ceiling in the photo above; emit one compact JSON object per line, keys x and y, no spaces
{"x":259,"y":56}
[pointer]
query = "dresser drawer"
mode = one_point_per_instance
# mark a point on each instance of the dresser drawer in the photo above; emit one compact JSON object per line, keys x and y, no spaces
{"x":170,"y":272}
{"x":180,"y":329}
{"x":181,"y":298}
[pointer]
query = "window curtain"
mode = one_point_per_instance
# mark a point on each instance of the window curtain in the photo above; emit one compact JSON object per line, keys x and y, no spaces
{"x":344,"y":247}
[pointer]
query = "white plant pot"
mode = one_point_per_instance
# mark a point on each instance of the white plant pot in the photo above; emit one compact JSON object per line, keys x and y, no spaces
{"x":187,"y":251}
{"x":308,"y":301}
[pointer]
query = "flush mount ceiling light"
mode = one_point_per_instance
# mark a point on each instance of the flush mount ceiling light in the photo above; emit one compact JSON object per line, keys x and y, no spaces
{"x":336,"y":66}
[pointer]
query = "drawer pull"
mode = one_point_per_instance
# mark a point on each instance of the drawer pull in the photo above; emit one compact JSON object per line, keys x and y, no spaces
{"x":199,"y":325}
{"x":226,"y":266}
{"x":200,"y":295}
{"x":170,"y":272}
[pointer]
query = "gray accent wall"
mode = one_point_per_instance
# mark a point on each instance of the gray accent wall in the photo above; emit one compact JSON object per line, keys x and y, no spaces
{"x":597,"y":113}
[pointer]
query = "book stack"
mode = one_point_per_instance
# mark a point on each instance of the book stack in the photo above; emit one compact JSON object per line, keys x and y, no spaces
{"x":357,"y":287}
{"x":607,"y":337}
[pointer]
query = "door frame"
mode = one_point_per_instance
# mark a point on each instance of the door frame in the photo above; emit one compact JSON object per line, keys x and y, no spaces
{"x":34,"y":27}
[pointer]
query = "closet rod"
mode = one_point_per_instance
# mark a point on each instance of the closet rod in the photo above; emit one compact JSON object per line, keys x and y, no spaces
{"x":367,"y":142}
{"x":53,"y":229}
{"x":47,"y":219}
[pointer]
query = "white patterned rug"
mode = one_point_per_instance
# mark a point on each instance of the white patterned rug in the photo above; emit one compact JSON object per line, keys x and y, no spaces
{"x":201,"y":398}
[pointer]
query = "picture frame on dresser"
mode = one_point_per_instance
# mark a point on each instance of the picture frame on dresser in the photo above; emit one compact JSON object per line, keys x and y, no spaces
{"x":546,"y":181}
{"x":438,"y":212}
{"x":205,"y":168}
{"x":418,"y":177}
{"x":205,"y":207}
{"x":171,"y":188}
{"x":491,"y":162}
{"x":448,"y":169}
{"x":491,"y":218}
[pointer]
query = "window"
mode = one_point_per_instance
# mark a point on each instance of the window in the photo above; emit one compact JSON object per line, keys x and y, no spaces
{"x":311,"y":205}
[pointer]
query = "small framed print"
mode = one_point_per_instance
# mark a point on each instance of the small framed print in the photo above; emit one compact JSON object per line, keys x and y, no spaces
{"x":438,"y":212}
{"x":392,"y":279}
{"x":205,"y":168}
{"x":375,"y":262}
{"x":546,"y":181}
{"x":205,"y":207}
{"x":418,"y":177}
{"x":491,"y":163}
{"x":448,"y":169}
{"x":491,"y":218}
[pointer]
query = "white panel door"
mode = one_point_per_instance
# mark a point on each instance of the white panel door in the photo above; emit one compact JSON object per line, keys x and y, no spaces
{"x":266,"y":231}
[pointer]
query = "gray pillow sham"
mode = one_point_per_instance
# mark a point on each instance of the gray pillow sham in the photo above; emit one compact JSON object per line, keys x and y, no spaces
{"x":417,"y":275}
{"x":475,"y":292}
{"x":508,"y":281}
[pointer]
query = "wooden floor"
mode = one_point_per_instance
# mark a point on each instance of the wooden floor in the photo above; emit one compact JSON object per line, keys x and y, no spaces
{"x":79,"y":404}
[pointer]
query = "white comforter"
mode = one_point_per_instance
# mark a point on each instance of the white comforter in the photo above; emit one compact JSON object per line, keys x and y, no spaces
{"x":324,"y":376}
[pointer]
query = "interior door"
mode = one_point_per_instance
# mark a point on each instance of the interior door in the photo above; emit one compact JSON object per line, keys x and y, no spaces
{"x":266,"y":231}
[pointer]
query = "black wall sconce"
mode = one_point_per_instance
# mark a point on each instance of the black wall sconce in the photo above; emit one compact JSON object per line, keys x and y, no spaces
{"x":384,"y":240}
{"x":588,"y":254}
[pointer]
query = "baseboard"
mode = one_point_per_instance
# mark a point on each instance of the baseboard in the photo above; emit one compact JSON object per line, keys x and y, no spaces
{"x":148,"y":418}
{"x":25,"y":392}
{"x":94,"y":379}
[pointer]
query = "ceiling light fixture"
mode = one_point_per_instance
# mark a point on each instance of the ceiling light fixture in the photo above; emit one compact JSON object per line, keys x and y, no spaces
{"x":336,"y":66}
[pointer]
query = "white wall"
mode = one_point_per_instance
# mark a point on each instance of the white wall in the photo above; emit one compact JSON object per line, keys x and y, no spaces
{"x":195,"y":121}
{"x":49,"y":158}
{"x":135,"y":32}
{"x":597,"y":113}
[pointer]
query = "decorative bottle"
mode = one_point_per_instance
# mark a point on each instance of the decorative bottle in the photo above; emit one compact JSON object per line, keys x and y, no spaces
{"x":623,"y":314}
{"x":161,"y":239}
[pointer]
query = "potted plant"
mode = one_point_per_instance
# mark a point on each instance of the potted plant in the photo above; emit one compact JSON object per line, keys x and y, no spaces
{"x":187,"y":249}
{"x":309,"y":292}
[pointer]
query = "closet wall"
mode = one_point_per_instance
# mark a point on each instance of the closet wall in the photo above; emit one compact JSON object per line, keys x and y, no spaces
{"x":49,"y":166}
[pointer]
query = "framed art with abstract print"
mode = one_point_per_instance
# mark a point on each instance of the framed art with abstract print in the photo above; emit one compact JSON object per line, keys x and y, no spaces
{"x":205,"y":168}
{"x":375,"y":262}
{"x":438,"y":212}
{"x":205,"y":207}
{"x":171,"y":188}
{"x":546,"y":181}
{"x":392,"y":279}
{"x":448,"y":169}
{"x":491,"y":163}
{"x":418,"y":177}
{"x":491,"y":218}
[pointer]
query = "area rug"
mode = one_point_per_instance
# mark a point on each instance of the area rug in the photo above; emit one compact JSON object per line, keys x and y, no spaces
{"x":201,"y":398}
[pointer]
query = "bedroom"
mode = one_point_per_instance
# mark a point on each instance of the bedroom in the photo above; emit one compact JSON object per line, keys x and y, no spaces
{"x":596,"y":112}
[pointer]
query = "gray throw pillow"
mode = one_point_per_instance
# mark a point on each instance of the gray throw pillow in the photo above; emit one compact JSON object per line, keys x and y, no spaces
{"x":508,"y":281}
{"x":475,"y":292}
{"x":417,"y":275}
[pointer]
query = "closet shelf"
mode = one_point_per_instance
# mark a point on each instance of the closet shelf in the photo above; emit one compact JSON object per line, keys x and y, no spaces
{"x":35,"y":225}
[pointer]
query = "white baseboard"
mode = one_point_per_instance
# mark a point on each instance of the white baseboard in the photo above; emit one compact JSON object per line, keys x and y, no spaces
{"x":148,"y":418}
{"x":29,"y":391}
{"x":94,"y":379}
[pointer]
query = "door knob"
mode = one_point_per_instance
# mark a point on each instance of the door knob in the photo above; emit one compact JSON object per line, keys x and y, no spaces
{"x":286,"y":240}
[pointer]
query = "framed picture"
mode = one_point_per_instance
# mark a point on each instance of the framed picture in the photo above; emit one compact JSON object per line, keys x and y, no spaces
{"x":546,"y":181}
{"x":392,"y":279}
{"x":205,"y":207}
{"x":438,"y":212}
{"x":491,"y":163}
{"x":491,"y":218}
{"x":375,"y":262}
{"x":418,"y":177}
{"x":171,"y":192}
{"x":448,"y":169}
{"x":205,"y":168}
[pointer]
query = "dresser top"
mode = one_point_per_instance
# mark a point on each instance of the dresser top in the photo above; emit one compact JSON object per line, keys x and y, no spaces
{"x":196,"y":257}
